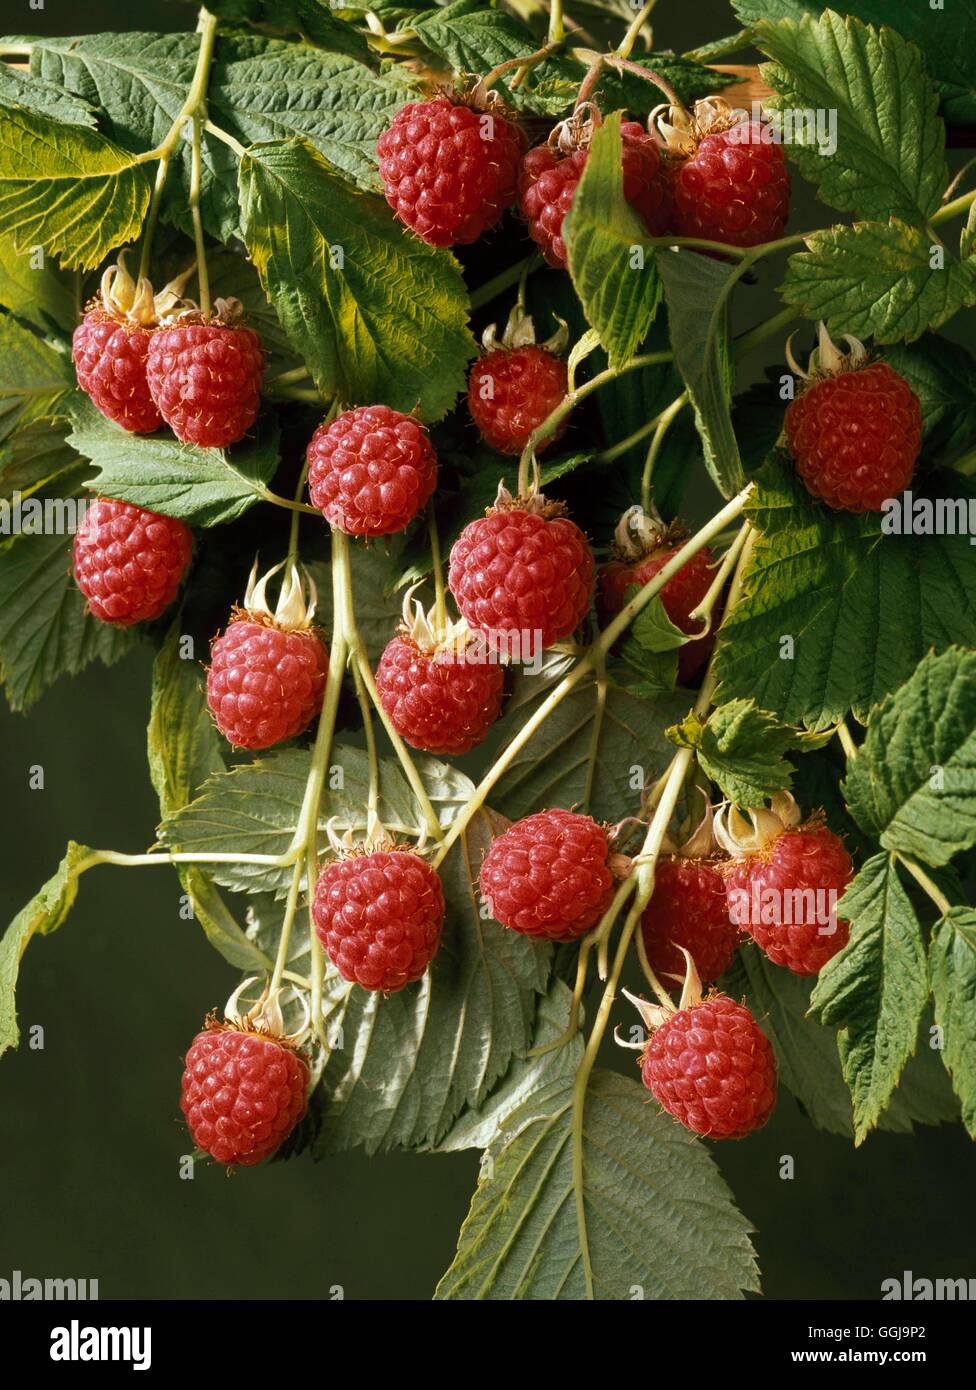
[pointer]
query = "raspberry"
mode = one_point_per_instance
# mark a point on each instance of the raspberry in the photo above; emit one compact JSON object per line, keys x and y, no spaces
{"x":855,"y":437}
{"x":784,"y":895}
{"x":371,"y":470}
{"x":206,"y":380}
{"x":735,"y":188}
{"x":547,"y":876}
{"x":548,"y":180}
{"x":243,"y":1092}
{"x":711,"y":1066}
{"x":511,"y":392}
{"x":379,"y":917}
{"x":448,"y":170}
{"x":680,"y":596}
{"x":519,"y":577}
{"x":264,"y":684}
{"x":128,"y":562}
{"x":110,"y":359}
{"x":438,"y":701}
{"x":689,"y":909}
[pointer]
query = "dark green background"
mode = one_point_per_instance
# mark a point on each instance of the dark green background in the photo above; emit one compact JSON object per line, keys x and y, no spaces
{"x":91,"y":1138}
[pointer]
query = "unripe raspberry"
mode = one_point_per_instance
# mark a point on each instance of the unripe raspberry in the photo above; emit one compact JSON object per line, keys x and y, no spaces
{"x":547,"y":875}
{"x":548,"y":181}
{"x":511,"y":392}
{"x":783,"y":883}
{"x":371,"y":470}
{"x":688,"y":909}
{"x":205,"y":377}
{"x":522,"y":578}
{"x":855,"y":437}
{"x":267,"y":673}
{"x":379,"y":917}
{"x":437,"y":700}
{"x":129,"y":562}
{"x":110,"y":359}
{"x":729,"y":178}
{"x":711,"y":1066}
{"x":449,"y":170}
{"x":243,"y":1092}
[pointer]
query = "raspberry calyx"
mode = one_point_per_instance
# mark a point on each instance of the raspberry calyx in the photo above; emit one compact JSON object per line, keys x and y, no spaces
{"x":517,"y":383}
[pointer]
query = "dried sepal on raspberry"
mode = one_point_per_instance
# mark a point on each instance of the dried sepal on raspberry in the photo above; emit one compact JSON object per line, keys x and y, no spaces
{"x":245,"y":1082}
{"x":267,"y":674}
{"x":517,"y":383}
{"x":522,"y":575}
{"x":109,"y":349}
{"x":855,"y":428}
{"x":728,"y":174}
{"x":707,"y":1062}
{"x":643,"y":544}
{"x":688,"y":911}
{"x":204,"y":373}
{"x":439,"y":686}
{"x":378,"y":909}
{"x":783,"y":881}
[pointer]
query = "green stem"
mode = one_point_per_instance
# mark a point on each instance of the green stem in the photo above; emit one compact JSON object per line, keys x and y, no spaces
{"x":291,"y":905}
{"x":440,"y":593}
{"x":152,"y":216}
{"x":139,"y":861}
{"x":296,"y":517}
{"x":203,"y":277}
{"x":953,"y":209}
{"x":600,"y":681}
{"x":721,"y":48}
{"x":523,"y":65}
{"x":557,"y":28}
{"x":225,"y":138}
{"x":846,"y":741}
{"x":485,"y":293}
{"x":924,"y":882}
{"x":767,"y":329}
{"x":373,"y":802}
{"x":615,"y":450}
{"x":663,"y":425}
{"x":626,"y":44}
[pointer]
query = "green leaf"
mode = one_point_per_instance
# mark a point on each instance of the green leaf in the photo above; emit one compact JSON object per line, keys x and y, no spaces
{"x":45,"y":631}
{"x":581,"y":755}
{"x":139,"y":81}
{"x":697,"y":290}
{"x":390,"y":322}
{"x":952,"y":962}
{"x":942,"y":34}
{"x":877,"y":280}
{"x":407,"y":1065}
{"x":35,"y":381}
{"x":184,"y":750}
{"x":32,"y":457}
{"x":472,"y":37}
{"x":662,"y":1227}
{"x":43,"y":914}
{"x":205,"y":487}
{"x":606,"y":242}
{"x":312,"y":20}
{"x":913,"y":782}
{"x":68,"y":189}
{"x":618,"y":90}
{"x":379,"y":609}
{"x":838,"y":588}
{"x":875,"y":988}
{"x":741,"y":748}
{"x":943,"y":376}
{"x":889,"y":159}
{"x":33,"y":287}
{"x":254,"y":809}
{"x":807,"y":1057}
{"x":46,"y":98}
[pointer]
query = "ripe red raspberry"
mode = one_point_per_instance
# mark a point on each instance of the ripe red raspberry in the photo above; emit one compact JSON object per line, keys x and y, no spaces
{"x":855,"y":437}
{"x":110,"y":359}
{"x":511,"y":392}
{"x":521,"y":579}
{"x":205,"y":377}
{"x":688,"y":909}
{"x":784,"y":895}
{"x":680,"y":596}
{"x":437,"y":700}
{"x":711,"y":1066}
{"x":379,"y":917}
{"x":243,"y":1092}
{"x":129,"y":562}
{"x":548,"y":181}
{"x":735,"y":188}
{"x":264,"y":685}
{"x":449,"y":170}
{"x":547,"y":875}
{"x":371,"y":470}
